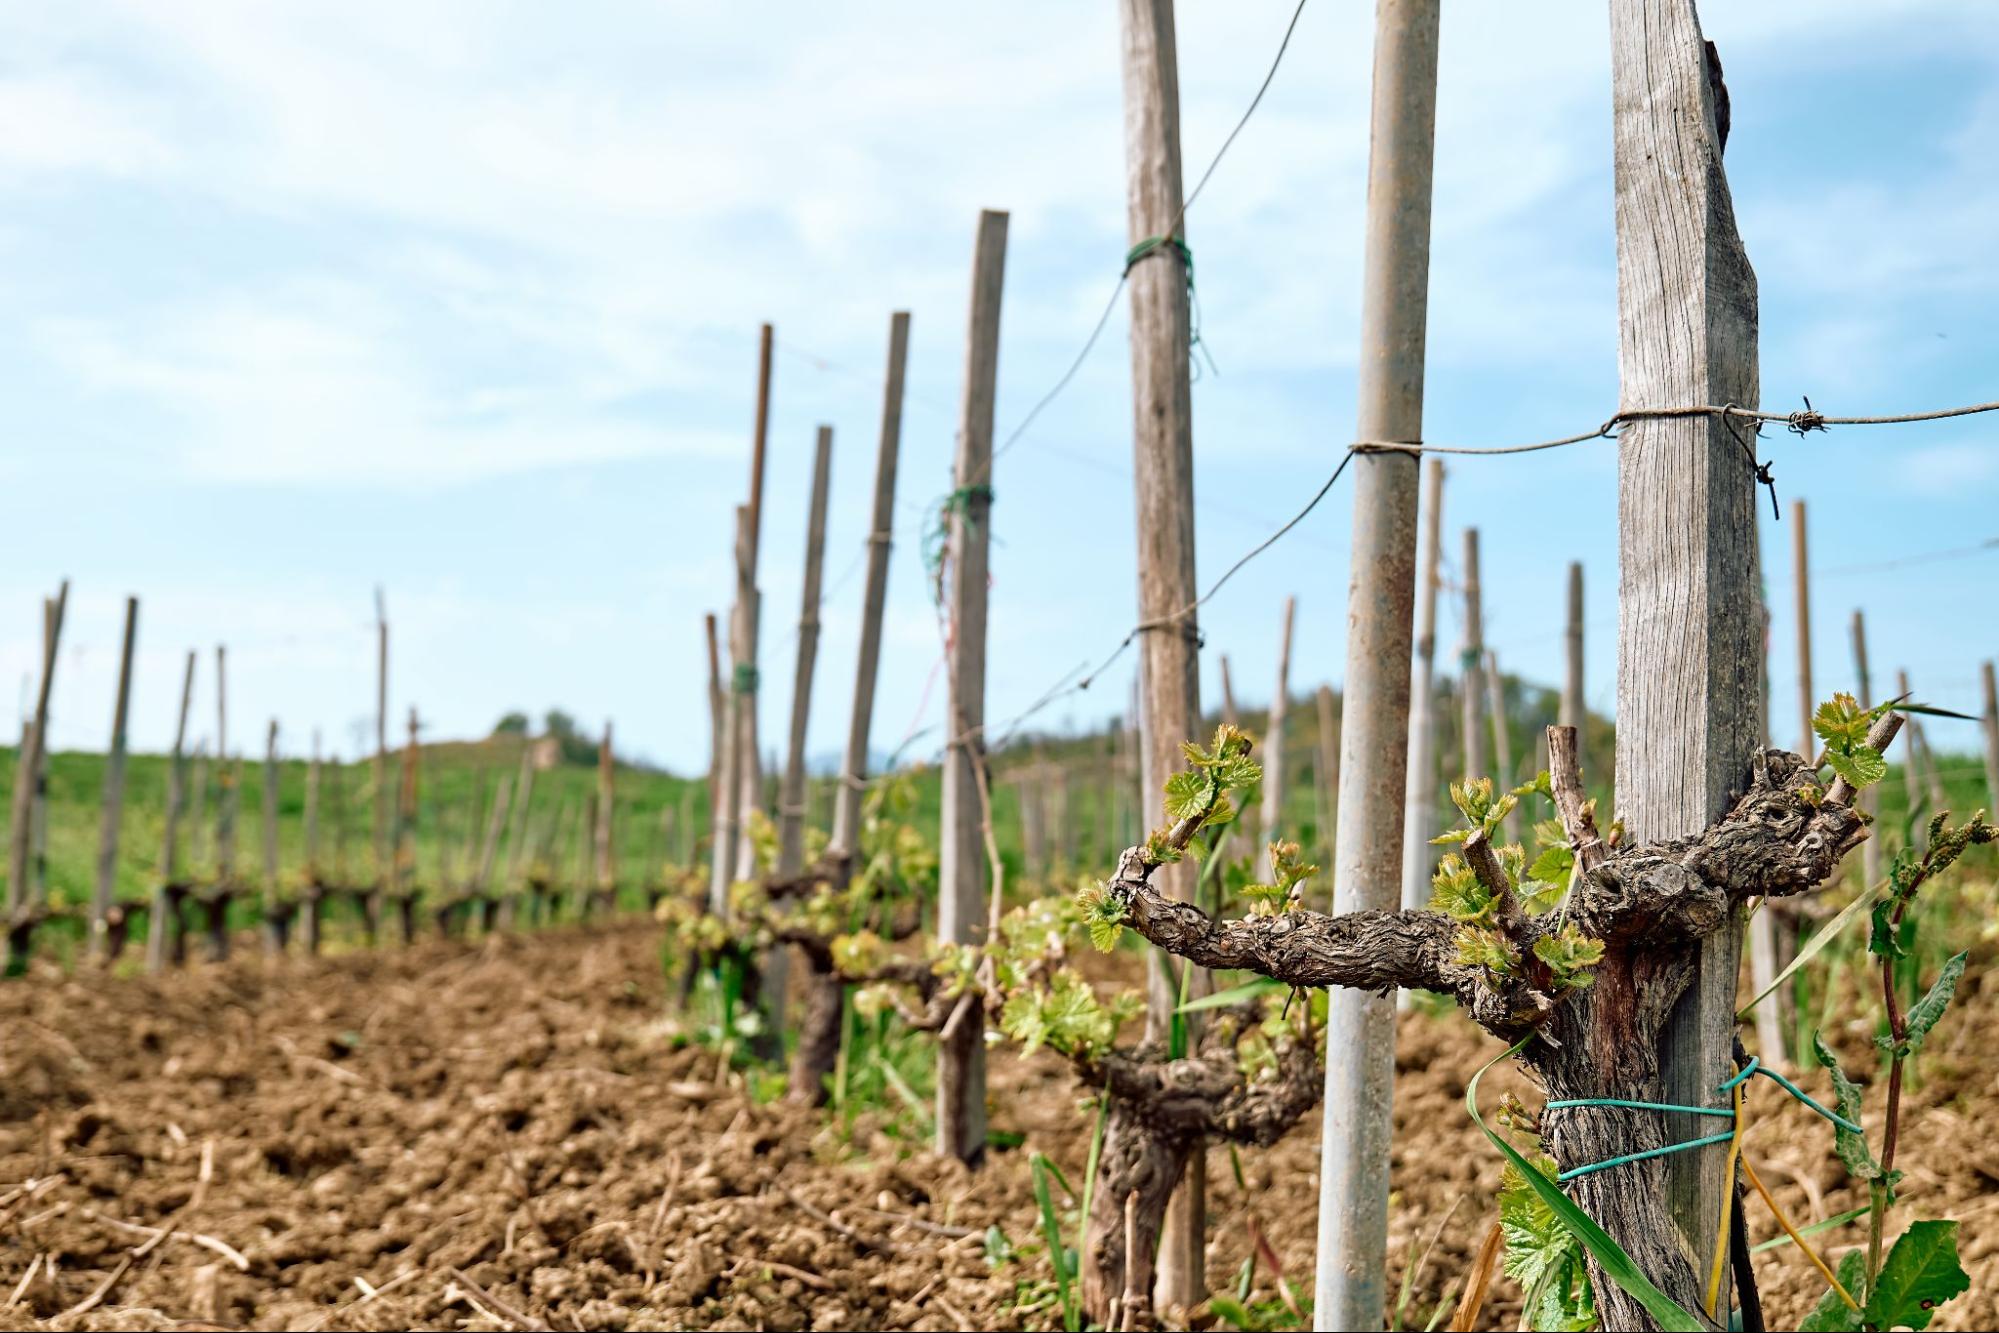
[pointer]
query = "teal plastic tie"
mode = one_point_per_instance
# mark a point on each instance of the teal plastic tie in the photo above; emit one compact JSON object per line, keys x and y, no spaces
{"x":1628,"y":1158}
{"x":1805,"y":1097}
{"x":1741,"y":1074}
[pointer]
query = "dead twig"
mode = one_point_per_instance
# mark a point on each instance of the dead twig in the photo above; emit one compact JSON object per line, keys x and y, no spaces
{"x":810,"y":1279}
{"x":826,"y":1219}
{"x":496,"y":1307}
{"x":934,"y":1228}
{"x":96,"y":1298}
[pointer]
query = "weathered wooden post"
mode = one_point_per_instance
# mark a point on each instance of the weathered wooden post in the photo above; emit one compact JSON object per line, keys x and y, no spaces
{"x":402,"y":872}
{"x":1991,"y":730}
{"x":276,"y":911}
{"x":791,"y":807}
{"x":103,"y":946}
{"x":1229,"y":714}
{"x":1419,"y":801}
{"x":775,"y":982}
{"x":1329,"y":768}
{"x":228,"y":792}
{"x":1471,"y":667}
{"x":1574,"y":711}
{"x":749,"y":612}
{"x":727,"y":854}
{"x":164,"y":940}
{"x":24,"y":905}
{"x":313,"y":895}
{"x":1274,"y":773}
{"x":1374,"y":739}
{"x":961,"y":873}
{"x":484,"y":898}
{"x":605,"y":895}
{"x":1163,"y":449}
{"x":1689,"y":652}
{"x":371,"y":908}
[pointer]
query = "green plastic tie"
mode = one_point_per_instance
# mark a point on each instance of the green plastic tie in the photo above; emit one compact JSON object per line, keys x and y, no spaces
{"x":1804,"y":1097}
{"x":1628,"y":1158}
{"x":746,"y":679}
{"x":1153,"y":245}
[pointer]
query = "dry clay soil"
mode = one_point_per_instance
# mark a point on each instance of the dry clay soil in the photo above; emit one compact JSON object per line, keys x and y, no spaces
{"x":506,"y":1134}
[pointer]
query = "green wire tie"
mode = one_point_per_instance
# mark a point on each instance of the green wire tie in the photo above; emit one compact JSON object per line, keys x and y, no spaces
{"x":745,"y":680}
{"x":1755,"y":1066}
{"x":1155,"y":244}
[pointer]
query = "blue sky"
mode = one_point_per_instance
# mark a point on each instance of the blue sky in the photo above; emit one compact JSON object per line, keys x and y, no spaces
{"x":462,"y":299}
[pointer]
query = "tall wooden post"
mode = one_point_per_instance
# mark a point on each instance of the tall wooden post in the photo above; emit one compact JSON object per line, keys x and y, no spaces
{"x":1419,"y":800}
{"x":1374,"y":740}
{"x":1688,"y":653}
{"x":1229,"y":713}
{"x":1990,"y":727}
{"x":384,"y":852}
{"x":607,"y":804}
{"x":1329,"y":768}
{"x":114,"y":796}
{"x":275,"y":921}
{"x":1574,"y":711}
{"x":791,"y":804}
{"x":311,"y":904}
{"x":1163,"y":448}
{"x":28,"y":766}
{"x":726,"y":853}
{"x":744,"y":633}
{"x":1471,"y":667}
{"x":854,"y":766}
{"x":402,"y":874}
{"x":1869,"y":797}
{"x":1273,"y":742}
{"x":163,"y":927}
{"x":518,"y":832}
{"x":961,"y":862}
{"x":228,"y":780}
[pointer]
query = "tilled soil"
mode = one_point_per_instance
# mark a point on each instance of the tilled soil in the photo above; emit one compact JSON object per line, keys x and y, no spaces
{"x":508,"y":1134}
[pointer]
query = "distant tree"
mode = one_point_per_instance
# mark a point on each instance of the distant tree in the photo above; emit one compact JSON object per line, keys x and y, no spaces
{"x":512,"y":724}
{"x":575,"y":746}
{"x":558,"y":724}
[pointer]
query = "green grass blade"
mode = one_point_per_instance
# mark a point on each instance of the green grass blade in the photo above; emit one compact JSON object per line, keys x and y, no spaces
{"x":1609,"y":1255}
{"x":1051,"y":1232}
{"x":1222,"y":999}
{"x":1817,"y":942}
{"x":1852,"y":1216}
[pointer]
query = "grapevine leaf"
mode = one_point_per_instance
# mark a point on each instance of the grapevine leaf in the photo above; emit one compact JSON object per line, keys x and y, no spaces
{"x":1832,"y":1314}
{"x":1862,"y":766}
{"x":1537,"y":1244}
{"x":1851,"y":1147}
{"x":1553,"y":865}
{"x":1920,"y":1273}
{"x":1930,"y":1008}
{"x":1568,"y":955}
{"x":1187,"y":793}
{"x":1840,"y":722}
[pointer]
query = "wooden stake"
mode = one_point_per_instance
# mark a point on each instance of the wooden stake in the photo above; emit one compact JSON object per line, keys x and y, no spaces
{"x":791,"y":802}
{"x":1419,"y":799}
{"x":1688,"y":650}
{"x":402,"y":883}
{"x":717,"y":715}
{"x":726,"y":852}
{"x":1229,"y":713}
{"x":163,"y":927}
{"x":28,"y":766}
{"x":315,"y":881}
{"x":1273,"y":741}
{"x":518,"y":833}
{"x":1163,"y":448}
{"x":1801,"y":587}
{"x":384,"y":851}
{"x":101,"y":944}
{"x":962,"y":892}
{"x":744,"y":636}
{"x":276,"y":919}
{"x":1991,"y":730}
{"x":1374,"y":740}
{"x":1922,"y":767}
{"x":1471,"y":668}
{"x":854,"y":766}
